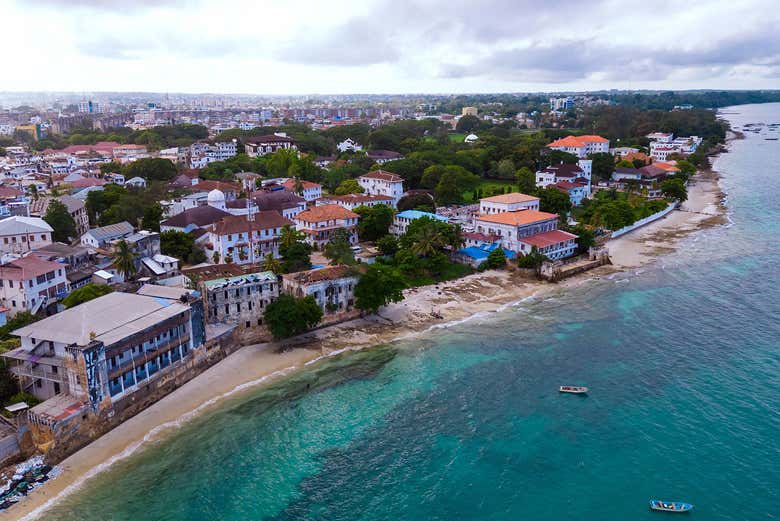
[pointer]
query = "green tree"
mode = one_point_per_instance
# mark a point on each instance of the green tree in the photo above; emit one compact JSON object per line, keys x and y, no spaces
{"x":387,"y":245}
{"x":468,"y":123}
{"x":496,"y":259}
{"x":374,"y":221}
{"x":526,"y":180}
{"x":152,"y":216}
{"x":182,"y":246}
{"x":349,"y":186}
{"x":428,"y":239}
{"x":271,"y":263}
{"x":287,"y":316}
{"x":151,"y":169}
{"x":506,"y":169}
{"x":674,"y":189}
{"x":289,"y":235}
{"x":554,"y":201}
{"x":532,"y":260}
{"x":61,"y":221}
{"x":379,"y":286}
{"x":124,"y":259}
{"x":111,"y":167}
{"x":86,"y":293}
{"x":454,"y":181}
{"x":625,"y":163}
{"x":687,"y":168}
{"x":555,"y":157}
{"x":417,"y":201}
{"x":603,"y":165}
{"x":585,"y":237}
{"x":296,"y":257}
{"x":338,"y":250}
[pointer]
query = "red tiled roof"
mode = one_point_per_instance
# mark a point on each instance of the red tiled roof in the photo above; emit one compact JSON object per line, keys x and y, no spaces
{"x":87,"y":182}
{"x":355,"y":198}
{"x":326,"y":212}
{"x":290,"y":184}
{"x":209,"y":185}
{"x":384,"y":175}
{"x":518,"y":218}
{"x":263,"y":220}
{"x":542,"y":240}
{"x":577,"y":141}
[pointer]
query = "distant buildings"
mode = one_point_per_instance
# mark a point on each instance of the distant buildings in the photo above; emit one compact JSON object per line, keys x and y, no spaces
{"x":268,"y":144}
{"x":381,"y":157}
{"x":349,"y":145}
{"x":469,"y":111}
{"x":663,"y":144}
{"x":561,"y":104}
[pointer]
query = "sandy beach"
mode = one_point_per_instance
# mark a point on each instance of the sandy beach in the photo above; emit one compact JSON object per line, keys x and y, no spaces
{"x":456,"y":300}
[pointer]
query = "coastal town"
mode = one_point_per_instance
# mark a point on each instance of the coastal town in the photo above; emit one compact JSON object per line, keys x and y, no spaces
{"x":129,"y":268}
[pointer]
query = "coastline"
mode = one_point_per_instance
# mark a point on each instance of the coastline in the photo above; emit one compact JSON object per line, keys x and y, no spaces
{"x":458,"y":300}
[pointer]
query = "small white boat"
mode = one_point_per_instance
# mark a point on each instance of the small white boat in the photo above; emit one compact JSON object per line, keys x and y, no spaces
{"x":573,"y":389}
{"x":670,"y":506}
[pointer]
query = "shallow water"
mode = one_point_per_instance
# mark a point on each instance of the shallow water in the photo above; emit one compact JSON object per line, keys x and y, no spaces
{"x":683,"y":362}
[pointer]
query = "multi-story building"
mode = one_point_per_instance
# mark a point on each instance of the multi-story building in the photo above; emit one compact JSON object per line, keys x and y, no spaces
{"x":520,"y":230}
{"x":29,"y":283}
{"x":662,"y":145}
{"x":381,"y":182}
{"x":76,"y":208}
{"x":286,"y":203}
{"x":581,"y":146}
{"x":22,"y":234}
{"x":306,"y":189}
{"x":401,"y":220}
{"x":332,"y":287}
{"x":105,"y":355}
{"x":268,"y":144}
{"x":240,"y":299}
{"x":320,"y":223}
{"x":245,"y":239}
{"x":508,"y":203}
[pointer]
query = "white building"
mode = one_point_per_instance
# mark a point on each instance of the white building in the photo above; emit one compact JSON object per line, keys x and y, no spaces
{"x":308,"y":190}
{"x":22,"y":234}
{"x":244,"y":240}
{"x":508,"y":203}
{"x":349,"y":144}
{"x":381,"y":182}
{"x":581,"y":146}
{"x":333,"y":287}
{"x":320,"y":223}
{"x":262,"y":145}
{"x":402,"y":220}
{"x":30,"y":282}
{"x":101,"y":237}
{"x":521,"y":230}
{"x":662,"y":145}
{"x":352,"y":201}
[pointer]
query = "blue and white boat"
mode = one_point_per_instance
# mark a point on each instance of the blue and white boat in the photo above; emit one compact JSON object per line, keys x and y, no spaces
{"x":670,"y":506}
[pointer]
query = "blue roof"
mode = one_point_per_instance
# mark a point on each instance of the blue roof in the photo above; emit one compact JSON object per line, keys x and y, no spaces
{"x":482,"y":252}
{"x":416,"y":214}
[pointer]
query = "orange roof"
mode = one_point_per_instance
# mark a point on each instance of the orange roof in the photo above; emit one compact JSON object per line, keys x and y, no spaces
{"x":518,"y":217}
{"x":384,"y":175}
{"x":290,"y":184}
{"x":542,"y":240}
{"x":514,"y":197}
{"x":326,"y":212}
{"x":668,"y":167}
{"x":577,"y":141}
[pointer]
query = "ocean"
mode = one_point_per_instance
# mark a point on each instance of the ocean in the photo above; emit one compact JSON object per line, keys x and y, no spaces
{"x":683,"y":362}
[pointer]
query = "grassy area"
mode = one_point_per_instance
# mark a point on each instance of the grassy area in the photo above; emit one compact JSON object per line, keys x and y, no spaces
{"x":451,"y":271}
{"x":457,"y":138}
{"x":490,"y":187}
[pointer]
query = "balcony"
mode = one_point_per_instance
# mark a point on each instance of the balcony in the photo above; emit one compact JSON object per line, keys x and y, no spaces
{"x":141,"y":359}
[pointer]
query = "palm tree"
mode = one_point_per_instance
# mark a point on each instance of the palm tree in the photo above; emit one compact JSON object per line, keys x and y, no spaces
{"x":429,"y":241}
{"x":289,"y":236}
{"x":124,"y":259}
{"x":456,"y":240}
{"x":298,"y":186}
{"x":271,"y":263}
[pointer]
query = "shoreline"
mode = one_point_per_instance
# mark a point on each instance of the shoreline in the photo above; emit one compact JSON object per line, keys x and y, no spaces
{"x":458,"y":300}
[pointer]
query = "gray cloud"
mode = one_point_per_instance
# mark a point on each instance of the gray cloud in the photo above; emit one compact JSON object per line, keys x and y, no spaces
{"x":108,"y":5}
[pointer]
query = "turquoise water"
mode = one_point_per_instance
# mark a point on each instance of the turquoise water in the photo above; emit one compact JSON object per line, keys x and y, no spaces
{"x":683,"y":359}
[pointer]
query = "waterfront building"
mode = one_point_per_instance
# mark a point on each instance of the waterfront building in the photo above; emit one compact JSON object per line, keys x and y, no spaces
{"x":30,"y":283}
{"x":22,"y":234}
{"x":240,"y":299}
{"x":520,"y":230}
{"x":581,"y":146}
{"x":381,"y":182}
{"x":320,"y":223}
{"x":332,"y":287}
{"x":104,"y":355}
{"x":508,"y":203}
{"x":402,"y":220}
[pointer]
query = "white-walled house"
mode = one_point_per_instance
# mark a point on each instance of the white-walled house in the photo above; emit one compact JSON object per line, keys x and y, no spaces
{"x":320,"y":223}
{"x":520,"y":230}
{"x":581,"y":146}
{"x":381,"y":182}
{"x":332,"y":287}
{"x":349,"y":144}
{"x":352,"y":201}
{"x":30,"y":282}
{"x":402,"y":220}
{"x":309,"y":191}
{"x":245,"y":239}
{"x":508,"y":203}
{"x":22,"y":234}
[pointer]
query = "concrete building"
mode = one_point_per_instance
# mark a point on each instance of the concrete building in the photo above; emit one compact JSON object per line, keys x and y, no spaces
{"x":22,"y":234}
{"x":508,"y":203}
{"x":30,"y":283}
{"x":520,"y":230}
{"x":321,"y":222}
{"x":380,"y":182}
{"x":268,"y":144}
{"x":581,"y":146}
{"x":103,"y":236}
{"x":76,"y":208}
{"x":352,"y":201}
{"x":349,"y":144}
{"x":193,"y":219}
{"x":469,"y":111}
{"x":333,"y":287}
{"x":245,"y":239}
{"x":306,"y":189}
{"x":240,"y":300}
{"x":286,"y":203}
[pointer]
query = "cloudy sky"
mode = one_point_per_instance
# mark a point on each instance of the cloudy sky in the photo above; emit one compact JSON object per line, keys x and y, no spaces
{"x":388,"y":46}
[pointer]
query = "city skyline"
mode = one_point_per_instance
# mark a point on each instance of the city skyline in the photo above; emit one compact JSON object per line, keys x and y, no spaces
{"x":379,"y":47}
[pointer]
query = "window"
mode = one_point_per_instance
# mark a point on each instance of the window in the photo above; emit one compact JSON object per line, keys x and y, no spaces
{"x":248,"y":324}
{"x":43,"y":237}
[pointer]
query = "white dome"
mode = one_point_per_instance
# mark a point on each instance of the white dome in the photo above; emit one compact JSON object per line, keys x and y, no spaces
{"x":216,"y":196}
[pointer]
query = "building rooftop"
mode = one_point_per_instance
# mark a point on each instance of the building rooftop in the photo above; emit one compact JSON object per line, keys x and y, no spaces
{"x":383,"y":175}
{"x":27,"y":268}
{"x":356,"y":198}
{"x":108,"y":319}
{"x":263,"y":220}
{"x":511,"y":198}
{"x":258,"y":276}
{"x":321,"y":274}
{"x":110,"y":232}
{"x":18,"y":225}
{"x":326,"y":212}
{"x":198,"y":216}
{"x":518,"y":218}
{"x":416,"y":214}
{"x":541,"y":240}
{"x":577,"y":141}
